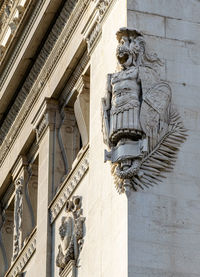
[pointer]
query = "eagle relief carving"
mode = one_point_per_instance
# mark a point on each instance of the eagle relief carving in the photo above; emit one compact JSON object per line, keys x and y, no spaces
{"x":140,"y":125}
{"x":71,"y":234}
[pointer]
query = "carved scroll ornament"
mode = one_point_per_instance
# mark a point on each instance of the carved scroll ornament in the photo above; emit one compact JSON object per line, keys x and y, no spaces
{"x":71,"y":234}
{"x":140,"y":125}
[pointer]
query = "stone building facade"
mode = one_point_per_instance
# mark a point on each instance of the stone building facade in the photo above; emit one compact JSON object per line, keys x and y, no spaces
{"x":74,"y":95}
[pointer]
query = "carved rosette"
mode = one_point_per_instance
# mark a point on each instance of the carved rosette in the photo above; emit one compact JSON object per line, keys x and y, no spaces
{"x":71,"y":234}
{"x":141,"y":127}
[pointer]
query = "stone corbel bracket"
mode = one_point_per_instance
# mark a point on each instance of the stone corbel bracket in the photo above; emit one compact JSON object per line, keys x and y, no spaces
{"x":45,"y":117}
{"x":93,"y":27}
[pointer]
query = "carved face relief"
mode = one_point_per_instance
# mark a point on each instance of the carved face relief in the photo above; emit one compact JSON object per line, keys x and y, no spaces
{"x":145,"y":132}
{"x":131,"y":45}
{"x":124,"y":55}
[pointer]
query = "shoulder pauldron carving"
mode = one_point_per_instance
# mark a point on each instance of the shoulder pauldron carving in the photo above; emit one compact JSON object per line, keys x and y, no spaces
{"x":140,"y":125}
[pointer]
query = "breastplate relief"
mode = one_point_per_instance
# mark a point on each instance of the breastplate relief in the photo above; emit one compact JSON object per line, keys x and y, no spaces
{"x":140,"y":125}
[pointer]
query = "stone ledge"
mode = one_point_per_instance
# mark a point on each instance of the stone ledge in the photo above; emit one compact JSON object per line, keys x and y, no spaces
{"x":69,"y":270}
{"x":69,"y":185}
{"x":23,"y":257}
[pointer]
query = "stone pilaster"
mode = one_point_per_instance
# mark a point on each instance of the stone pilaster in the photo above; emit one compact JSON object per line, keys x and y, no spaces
{"x":46,"y":123}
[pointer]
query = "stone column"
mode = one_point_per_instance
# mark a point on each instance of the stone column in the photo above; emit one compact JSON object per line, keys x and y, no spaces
{"x":46,"y":124}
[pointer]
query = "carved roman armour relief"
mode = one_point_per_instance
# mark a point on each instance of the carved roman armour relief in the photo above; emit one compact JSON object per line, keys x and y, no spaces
{"x":140,"y":125}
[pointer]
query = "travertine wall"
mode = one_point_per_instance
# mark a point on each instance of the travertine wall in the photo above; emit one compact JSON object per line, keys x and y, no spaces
{"x":164,"y":220}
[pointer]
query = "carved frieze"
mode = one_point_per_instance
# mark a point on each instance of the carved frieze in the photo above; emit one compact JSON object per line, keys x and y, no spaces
{"x":33,"y":86}
{"x":71,"y":234}
{"x":140,"y":125}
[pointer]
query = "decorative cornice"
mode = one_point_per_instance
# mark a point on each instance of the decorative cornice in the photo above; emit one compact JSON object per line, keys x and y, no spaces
{"x":69,"y":185}
{"x":11,"y":14}
{"x":39,"y":63}
{"x":43,"y":76}
{"x":23,"y":257}
{"x":33,"y":18}
{"x":102,"y":6}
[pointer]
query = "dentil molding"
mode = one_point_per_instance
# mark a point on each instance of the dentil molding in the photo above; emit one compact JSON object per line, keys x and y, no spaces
{"x":69,"y":185}
{"x":23,"y":257}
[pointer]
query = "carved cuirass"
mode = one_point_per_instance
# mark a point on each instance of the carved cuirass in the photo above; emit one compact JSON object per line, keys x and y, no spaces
{"x":124,"y":116}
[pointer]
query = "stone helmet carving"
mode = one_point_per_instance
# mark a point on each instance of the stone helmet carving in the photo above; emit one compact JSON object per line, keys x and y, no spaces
{"x":131,"y":47}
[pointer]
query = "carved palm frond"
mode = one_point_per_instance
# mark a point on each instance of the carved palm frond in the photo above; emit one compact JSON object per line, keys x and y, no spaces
{"x":161,"y":159}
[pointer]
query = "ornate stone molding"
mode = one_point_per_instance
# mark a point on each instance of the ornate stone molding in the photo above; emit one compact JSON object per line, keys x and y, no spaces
{"x":41,"y":59}
{"x":71,"y":235}
{"x":11,"y":13}
{"x":69,"y":185}
{"x":140,"y":125}
{"x":94,"y":31}
{"x":23,"y":257}
{"x":33,"y":18}
{"x":42,"y":78}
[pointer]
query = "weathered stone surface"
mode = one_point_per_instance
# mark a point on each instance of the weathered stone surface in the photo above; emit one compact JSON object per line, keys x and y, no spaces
{"x":147,"y":23}
{"x":180,"y":9}
{"x":182,"y":30}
